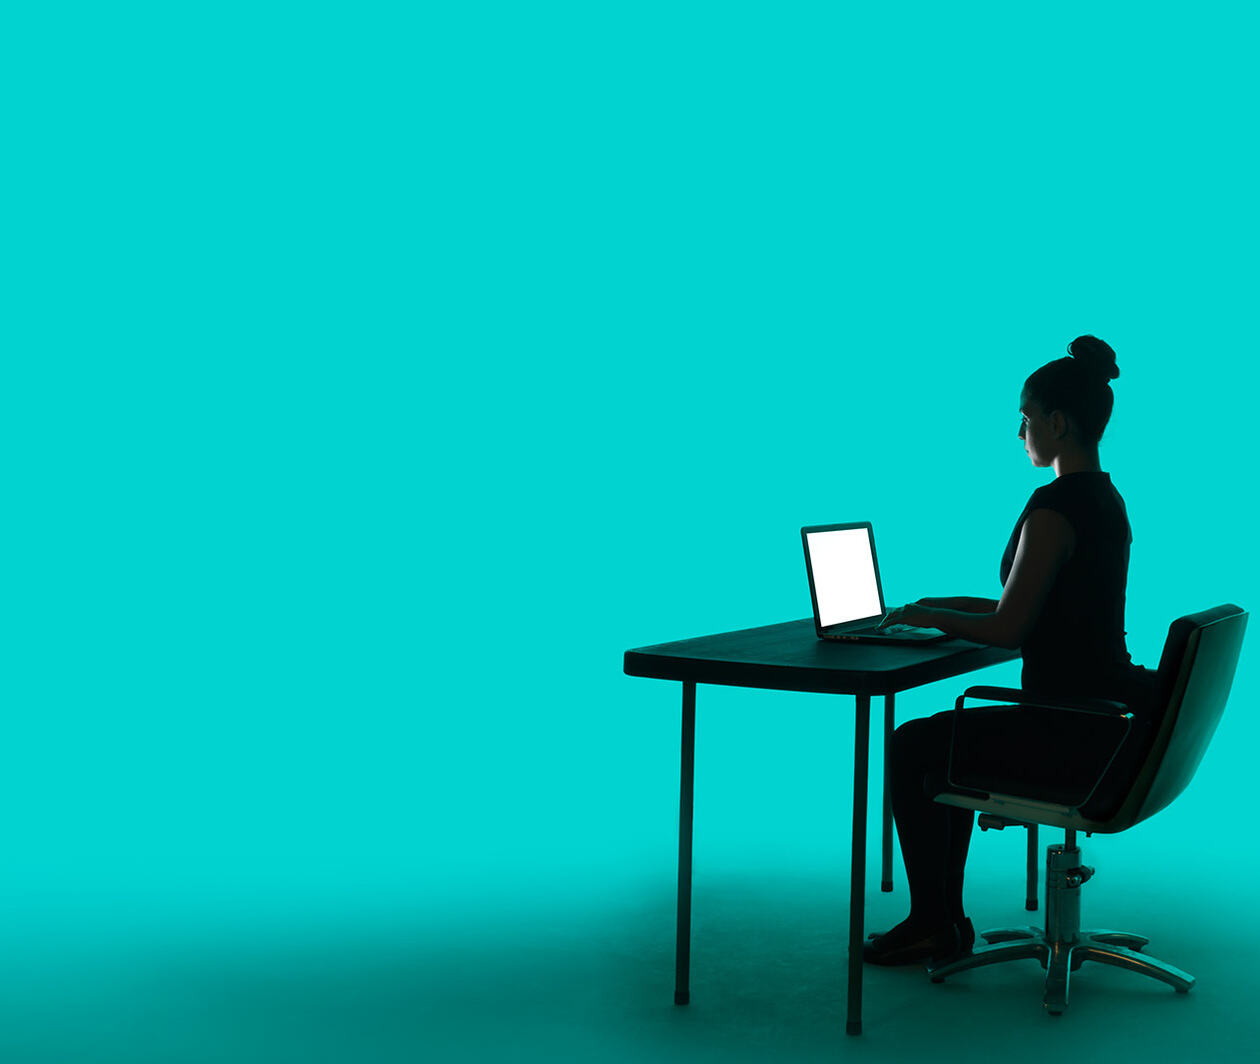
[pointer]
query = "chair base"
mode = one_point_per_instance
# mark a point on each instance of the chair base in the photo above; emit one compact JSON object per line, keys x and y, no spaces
{"x":1062,"y":948}
{"x":1062,"y":958}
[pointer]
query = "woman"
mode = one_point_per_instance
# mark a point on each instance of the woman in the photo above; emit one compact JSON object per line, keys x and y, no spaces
{"x":1063,"y":575}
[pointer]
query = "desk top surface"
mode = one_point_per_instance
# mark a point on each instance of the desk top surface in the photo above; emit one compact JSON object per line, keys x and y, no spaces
{"x":791,"y":657}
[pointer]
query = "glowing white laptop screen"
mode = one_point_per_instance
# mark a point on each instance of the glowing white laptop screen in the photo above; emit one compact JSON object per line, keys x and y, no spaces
{"x":844,"y":575}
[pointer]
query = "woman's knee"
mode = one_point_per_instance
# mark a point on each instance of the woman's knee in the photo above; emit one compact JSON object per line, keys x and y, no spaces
{"x":923,"y":733}
{"x":917,"y":749}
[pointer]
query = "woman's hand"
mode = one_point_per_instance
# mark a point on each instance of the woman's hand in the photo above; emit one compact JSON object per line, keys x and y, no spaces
{"x":912,"y":613}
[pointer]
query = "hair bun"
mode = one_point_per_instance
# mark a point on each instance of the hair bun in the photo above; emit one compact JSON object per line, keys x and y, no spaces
{"x":1095,"y":355}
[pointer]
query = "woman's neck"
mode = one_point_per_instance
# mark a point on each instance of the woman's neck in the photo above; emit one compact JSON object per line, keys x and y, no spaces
{"x":1076,"y":463}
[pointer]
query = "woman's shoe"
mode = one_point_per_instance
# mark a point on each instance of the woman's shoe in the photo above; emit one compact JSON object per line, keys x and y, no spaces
{"x":966,"y":938}
{"x":942,"y":943}
{"x":966,"y":935}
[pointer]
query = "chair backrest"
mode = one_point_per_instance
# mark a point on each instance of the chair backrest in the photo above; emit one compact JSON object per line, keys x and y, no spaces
{"x":1196,"y":672}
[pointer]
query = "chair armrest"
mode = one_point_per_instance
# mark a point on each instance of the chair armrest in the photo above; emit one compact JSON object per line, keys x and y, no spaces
{"x":1097,"y":707}
{"x":1103,"y":706}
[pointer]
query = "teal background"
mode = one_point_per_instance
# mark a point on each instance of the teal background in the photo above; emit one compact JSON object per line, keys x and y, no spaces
{"x":375,"y":375}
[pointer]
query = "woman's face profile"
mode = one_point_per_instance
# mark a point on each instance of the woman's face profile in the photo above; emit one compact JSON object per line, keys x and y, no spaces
{"x":1035,"y":431}
{"x":1053,"y":439}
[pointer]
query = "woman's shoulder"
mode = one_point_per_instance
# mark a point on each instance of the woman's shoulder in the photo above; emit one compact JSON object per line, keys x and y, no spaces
{"x":1073,"y":488}
{"x":1050,"y":495}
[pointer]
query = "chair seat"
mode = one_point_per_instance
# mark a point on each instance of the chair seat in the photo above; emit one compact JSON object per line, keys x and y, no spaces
{"x":1025,"y":810}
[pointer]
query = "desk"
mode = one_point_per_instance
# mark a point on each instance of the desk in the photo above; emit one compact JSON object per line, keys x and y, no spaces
{"x":791,"y":657}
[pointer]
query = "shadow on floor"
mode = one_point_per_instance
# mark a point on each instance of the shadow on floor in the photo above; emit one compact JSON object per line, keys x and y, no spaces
{"x":596,"y":983}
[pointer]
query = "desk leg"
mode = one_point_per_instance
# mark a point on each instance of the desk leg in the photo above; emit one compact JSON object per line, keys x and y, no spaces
{"x":885,"y":877}
{"x":682,"y":967}
{"x":857,"y":873}
{"x":1030,"y":900}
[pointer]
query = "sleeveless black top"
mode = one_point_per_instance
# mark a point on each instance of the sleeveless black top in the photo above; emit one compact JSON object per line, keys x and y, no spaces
{"x":1077,"y":644}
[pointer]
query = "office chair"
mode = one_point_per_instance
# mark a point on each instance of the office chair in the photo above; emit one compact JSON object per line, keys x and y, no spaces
{"x":1195,"y":674}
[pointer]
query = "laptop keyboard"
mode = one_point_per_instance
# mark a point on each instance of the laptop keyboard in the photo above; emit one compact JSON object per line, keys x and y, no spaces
{"x":880,"y":631}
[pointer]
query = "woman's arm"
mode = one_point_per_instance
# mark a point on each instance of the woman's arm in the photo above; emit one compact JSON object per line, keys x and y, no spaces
{"x":963,"y":604}
{"x":1046,"y":541}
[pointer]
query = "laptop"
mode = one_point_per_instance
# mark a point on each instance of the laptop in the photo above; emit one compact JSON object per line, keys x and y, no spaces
{"x":844,"y":586}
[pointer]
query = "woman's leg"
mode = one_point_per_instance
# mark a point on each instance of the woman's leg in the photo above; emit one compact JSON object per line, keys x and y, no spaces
{"x":934,"y":838}
{"x":934,"y":841}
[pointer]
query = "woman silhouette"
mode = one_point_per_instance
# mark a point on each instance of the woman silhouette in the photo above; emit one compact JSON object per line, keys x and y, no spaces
{"x":1063,"y":574}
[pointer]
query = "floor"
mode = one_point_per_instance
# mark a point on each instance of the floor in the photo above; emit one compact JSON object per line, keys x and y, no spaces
{"x":768,"y":983}
{"x":535,"y":965}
